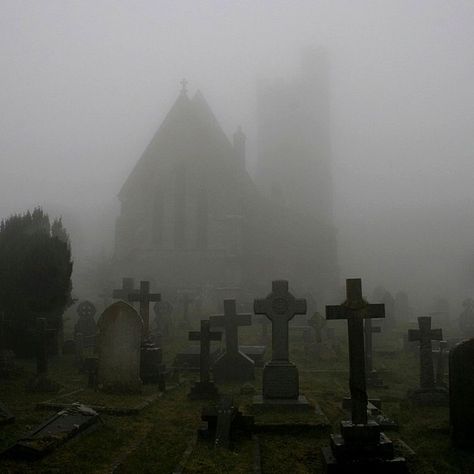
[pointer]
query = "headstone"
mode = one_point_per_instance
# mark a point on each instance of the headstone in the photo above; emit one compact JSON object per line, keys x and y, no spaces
{"x":41,"y":383}
{"x":224,"y":423}
{"x":373,"y":377}
{"x":461,"y":393}
{"x":280,"y":376}
{"x":428,"y":393}
{"x":232,"y":365}
{"x":55,"y":431}
{"x":119,"y":342}
{"x":205,"y":388}
{"x":361,"y":446}
{"x":151,"y":369}
{"x":466,"y":319}
{"x":86,"y":324}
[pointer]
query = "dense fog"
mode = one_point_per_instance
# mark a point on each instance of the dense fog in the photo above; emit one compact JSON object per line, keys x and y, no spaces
{"x":85,"y":85}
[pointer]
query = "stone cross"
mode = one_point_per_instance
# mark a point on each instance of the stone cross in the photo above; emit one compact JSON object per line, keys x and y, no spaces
{"x":231,"y":321}
{"x":280,"y":306}
{"x":205,"y":336}
{"x":368,"y":331}
{"x":355,"y":309}
{"x":425,"y":335}
{"x":144,"y":297}
{"x":128,"y":286}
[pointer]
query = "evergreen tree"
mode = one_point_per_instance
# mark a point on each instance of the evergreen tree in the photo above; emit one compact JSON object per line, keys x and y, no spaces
{"x":35,"y":274}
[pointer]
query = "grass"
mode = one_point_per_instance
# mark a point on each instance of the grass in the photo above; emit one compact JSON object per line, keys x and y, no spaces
{"x":154,"y":440}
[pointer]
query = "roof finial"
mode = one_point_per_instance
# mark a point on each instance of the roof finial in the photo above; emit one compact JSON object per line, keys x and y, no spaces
{"x":184,"y":86}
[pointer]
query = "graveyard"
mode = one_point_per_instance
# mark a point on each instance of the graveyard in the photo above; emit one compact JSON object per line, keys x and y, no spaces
{"x":160,"y":427}
{"x":236,"y":237}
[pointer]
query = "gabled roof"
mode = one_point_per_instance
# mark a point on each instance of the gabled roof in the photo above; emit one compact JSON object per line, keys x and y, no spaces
{"x":188,"y":123}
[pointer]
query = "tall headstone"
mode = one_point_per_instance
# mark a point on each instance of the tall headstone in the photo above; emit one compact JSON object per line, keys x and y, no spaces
{"x":361,"y":446}
{"x":232,"y":365}
{"x":280,"y":376}
{"x":85,"y":329}
{"x":119,"y":345}
{"x":373,"y":377}
{"x":205,"y":388}
{"x":428,"y":393}
{"x":461,"y":393}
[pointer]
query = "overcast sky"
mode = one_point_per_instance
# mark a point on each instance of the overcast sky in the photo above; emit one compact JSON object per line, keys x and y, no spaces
{"x":85,"y":84}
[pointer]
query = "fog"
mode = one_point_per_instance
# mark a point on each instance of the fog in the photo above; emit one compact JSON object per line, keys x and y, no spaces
{"x":85,"y":85}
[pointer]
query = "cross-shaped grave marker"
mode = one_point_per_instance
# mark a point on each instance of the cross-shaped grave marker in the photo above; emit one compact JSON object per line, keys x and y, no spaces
{"x":355,"y":309}
{"x":280,"y":376}
{"x":425,"y":335}
{"x":233,"y":364}
{"x":280,"y":306}
{"x":144,"y":297}
{"x":204,"y":388}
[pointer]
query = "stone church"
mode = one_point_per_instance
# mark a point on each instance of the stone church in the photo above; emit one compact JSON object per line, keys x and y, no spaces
{"x":192,"y":218}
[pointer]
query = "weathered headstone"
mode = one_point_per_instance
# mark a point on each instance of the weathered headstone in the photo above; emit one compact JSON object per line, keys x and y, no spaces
{"x":205,"y":388}
{"x":151,"y":370}
{"x":461,"y":393}
{"x":119,"y":343}
{"x":41,"y":383}
{"x":85,"y":332}
{"x":232,"y":365}
{"x":55,"y":431}
{"x":361,"y":446}
{"x":428,"y":393}
{"x":280,"y":376}
{"x":373,"y":377}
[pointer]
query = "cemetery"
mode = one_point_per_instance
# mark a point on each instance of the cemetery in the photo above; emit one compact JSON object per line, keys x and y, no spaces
{"x":268,"y":269}
{"x":317,"y":414}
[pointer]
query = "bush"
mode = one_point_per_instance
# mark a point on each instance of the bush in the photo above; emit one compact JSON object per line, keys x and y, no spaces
{"x":35,"y":275}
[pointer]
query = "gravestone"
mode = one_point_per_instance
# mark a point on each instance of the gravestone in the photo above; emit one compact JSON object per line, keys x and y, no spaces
{"x":41,"y":382}
{"x":205,"y":388}
{"x":361,"y":446}
{"x":280,"y":376}
{"x":428,"y":393}
{"x":151,"y":369}
{"x":224,"y":423}
{"x":461,"y":393}
{"x":373,"y":377}
{"x":441,"y":355}
{"x":119,"y":342}
{"x":68,"y":423}
{"x":232,"y":365}
{"x":85,"y":332}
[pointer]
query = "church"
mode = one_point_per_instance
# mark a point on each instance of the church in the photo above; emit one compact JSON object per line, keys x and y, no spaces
{"x":192,"y":218}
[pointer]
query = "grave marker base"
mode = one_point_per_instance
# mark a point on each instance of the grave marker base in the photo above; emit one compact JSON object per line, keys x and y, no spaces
{"x":280,"y":381}
{"x":291,"y":404}
{"x":361,"y":448}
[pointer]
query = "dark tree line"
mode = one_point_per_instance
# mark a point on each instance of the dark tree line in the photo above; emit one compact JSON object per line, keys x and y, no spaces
{"x":35,"y":275}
